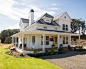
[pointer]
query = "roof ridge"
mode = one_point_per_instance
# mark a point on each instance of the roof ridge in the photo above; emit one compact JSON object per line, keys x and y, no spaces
{"x":60,"y":14}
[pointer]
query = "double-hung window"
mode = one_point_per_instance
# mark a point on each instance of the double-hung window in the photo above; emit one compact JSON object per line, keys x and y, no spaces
{"x":33,"y":40}
{"x":41,"y":40}
{"x":47,"y":40}
{"x":65,"y":27}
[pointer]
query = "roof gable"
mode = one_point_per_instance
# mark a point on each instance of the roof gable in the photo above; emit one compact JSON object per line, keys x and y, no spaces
{"x":23,"y":20}
{"x":44,"y":15}
{"x":62,"y":15}
{"x":53,"y":23}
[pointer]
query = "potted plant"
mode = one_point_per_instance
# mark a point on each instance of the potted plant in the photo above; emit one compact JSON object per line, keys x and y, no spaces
{"x":51,"y":38}
{"x":53,"y":45}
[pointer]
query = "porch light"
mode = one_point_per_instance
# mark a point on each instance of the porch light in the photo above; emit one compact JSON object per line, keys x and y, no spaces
{"x":51,"y":38}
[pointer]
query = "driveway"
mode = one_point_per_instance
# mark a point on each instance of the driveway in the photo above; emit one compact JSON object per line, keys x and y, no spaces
{"x":69,"y":60}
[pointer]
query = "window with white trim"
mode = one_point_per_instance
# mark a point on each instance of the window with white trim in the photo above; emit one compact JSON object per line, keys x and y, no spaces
{"x":65,"y":27}
{"x":47,"y":40}
{"x":33,"y":40}
{"x":45,"y":27}
{"x":47,"y":20}
{"x":65,"y":40}
{"x":41,"y":40}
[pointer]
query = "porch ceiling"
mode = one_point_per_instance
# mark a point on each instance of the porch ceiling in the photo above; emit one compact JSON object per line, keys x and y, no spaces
{"x":44,"y":32}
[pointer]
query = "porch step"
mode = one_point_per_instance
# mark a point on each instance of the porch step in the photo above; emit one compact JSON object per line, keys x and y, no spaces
{"x":66,"y":49}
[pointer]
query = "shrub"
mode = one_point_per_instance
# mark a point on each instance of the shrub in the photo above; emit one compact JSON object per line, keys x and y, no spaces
{"x":80,"y":48}
{"x":70,"y":48}
{"x":46,"y":52}
{"x":53,"y":45}
{"x":60,"y":50}
{"x":36,"y":51}
{"x":52,"y":51}
{"x":21,"y":54}
{"x":74,"y":39}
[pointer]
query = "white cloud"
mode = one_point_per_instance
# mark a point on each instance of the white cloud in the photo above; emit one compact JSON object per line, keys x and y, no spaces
{"x":54,"y":8}
{"x":7,"y":8}
{"x":16,"y":26}
{"x":54,"y":4}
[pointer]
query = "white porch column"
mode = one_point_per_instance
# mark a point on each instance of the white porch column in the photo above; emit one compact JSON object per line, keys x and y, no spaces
{"x":58,"y":41}
{"x":79,"y":40}
{"x":18,"y":41}
{"x":22,"y":41}
{"x":70,"y":40}
{"x":43,"y":42}
{"x":15,"y":41}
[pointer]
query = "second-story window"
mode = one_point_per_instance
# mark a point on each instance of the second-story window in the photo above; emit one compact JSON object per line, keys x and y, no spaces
{"x":65,"y":27}
{"x":45,"y":27}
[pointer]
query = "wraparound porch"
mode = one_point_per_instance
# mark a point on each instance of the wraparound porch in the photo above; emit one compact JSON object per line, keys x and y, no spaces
{"x":40,"y":40}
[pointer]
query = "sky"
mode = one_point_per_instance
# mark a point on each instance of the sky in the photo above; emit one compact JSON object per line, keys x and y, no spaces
{"x":12,"y":10}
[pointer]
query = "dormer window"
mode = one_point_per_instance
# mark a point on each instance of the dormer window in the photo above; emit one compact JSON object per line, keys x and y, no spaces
{"x":45,"y":27}
{"x":65,"y":17}
{"x":55,"y":28}
{"x":47,"y":20}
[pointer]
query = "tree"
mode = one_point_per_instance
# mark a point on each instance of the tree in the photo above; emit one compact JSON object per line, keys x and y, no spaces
{"x":6,"y":33}
{"x":7,"y":40}
{"x":78,"y":25}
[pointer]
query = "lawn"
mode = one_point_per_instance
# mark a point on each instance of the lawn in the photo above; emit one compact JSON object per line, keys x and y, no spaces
{"x":9,"y":62}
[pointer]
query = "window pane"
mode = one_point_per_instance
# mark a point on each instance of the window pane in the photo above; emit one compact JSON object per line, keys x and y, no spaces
{"x":55,"y":40}
{"x":66,"y":29}
{"x":66,"y":40}
{"x":45,"y":27}
{"x":33,"y":40}
{"x":41,"y":40}
{"x":47,"y":40}
{"x":47,"y":37}
{"x":63,"y":40}
{"x":63,"y":26}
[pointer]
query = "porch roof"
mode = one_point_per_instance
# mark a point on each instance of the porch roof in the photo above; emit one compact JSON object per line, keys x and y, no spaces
{"x":41,"y":31}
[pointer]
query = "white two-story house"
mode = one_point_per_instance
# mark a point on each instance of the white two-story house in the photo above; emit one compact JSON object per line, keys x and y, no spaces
{"x":36,"y":34}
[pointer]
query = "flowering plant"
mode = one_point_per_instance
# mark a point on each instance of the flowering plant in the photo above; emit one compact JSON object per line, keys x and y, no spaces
{"x":51,"y":38}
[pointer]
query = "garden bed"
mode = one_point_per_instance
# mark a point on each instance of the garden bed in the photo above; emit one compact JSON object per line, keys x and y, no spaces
{"x":15,"y":54}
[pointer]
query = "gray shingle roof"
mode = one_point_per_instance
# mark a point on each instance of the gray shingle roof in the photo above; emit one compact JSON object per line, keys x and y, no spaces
{"x":48,"y":15}
{"x":25,"y":20}
{"x":41,"y":21}
{"x":56,"y":31}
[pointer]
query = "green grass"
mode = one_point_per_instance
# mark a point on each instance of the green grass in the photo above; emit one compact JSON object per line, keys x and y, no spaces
{"x":9,"y":62}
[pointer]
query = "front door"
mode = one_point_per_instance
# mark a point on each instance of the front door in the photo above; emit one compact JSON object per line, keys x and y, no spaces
{"x":55,"y":42}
